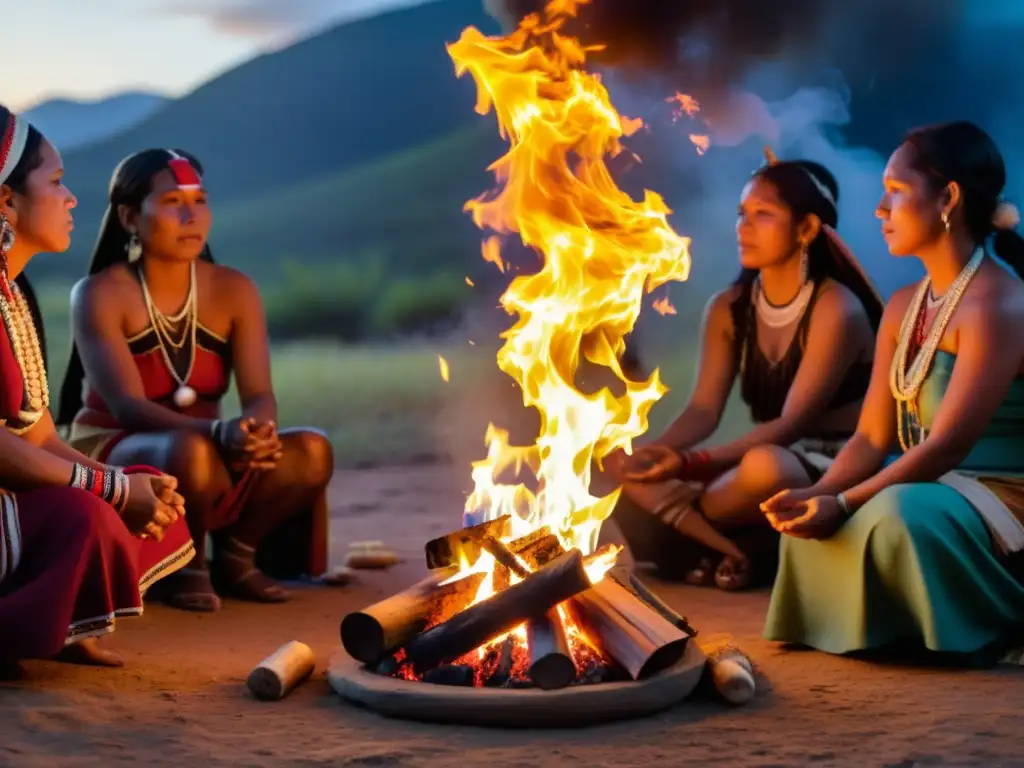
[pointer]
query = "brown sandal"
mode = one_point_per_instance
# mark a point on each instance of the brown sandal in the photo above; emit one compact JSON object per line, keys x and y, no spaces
{"x":242,"y":579}
{"x":190,"y":589}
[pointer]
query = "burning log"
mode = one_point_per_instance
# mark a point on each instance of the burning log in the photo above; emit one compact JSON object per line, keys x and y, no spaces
{"x":369,"y":634}
{"x":504,"y":556}
{"x":539,"y":551}
{"x":503,"y":668}
{"x":551,"y":664}
{"x":448,"y":550}
{"x":488,"y":619}
{"x":639,"y":638}
{"x":450,"y":674}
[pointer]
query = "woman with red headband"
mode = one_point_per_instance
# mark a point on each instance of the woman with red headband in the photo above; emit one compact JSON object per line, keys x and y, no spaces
{"x":158,"y":330}
{"x":796,"y":329}
{"x":80,"y":542}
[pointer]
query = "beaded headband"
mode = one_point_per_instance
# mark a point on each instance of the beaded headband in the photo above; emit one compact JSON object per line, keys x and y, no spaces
{"x":12,"y":145}
{"x":771,"y":159}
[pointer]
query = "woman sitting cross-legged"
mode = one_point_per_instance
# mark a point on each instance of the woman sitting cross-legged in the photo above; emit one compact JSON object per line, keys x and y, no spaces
{"x":925,"y":547}
{"x":797,"y":329}
{"x":158,"y":330}
{"x":80,"y":542}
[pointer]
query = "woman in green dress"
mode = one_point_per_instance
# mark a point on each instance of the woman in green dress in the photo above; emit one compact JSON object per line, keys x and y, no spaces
{"x":924,"y":546}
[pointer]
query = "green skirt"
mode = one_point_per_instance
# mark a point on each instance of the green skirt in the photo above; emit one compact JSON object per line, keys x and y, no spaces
{"x":914,"y":563}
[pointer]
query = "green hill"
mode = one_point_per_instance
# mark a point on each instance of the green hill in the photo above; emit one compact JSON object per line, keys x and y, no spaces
{"x":353,"y":94}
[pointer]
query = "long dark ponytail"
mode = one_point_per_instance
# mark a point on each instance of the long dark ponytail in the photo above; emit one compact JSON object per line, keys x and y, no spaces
{"x":802,"y":185}
{"x":130,"y":184}
{"x":960,"y":151}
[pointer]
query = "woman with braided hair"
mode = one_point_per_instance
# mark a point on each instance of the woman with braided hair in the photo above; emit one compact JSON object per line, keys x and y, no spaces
{"x":797,"y":330}
{"x":924,"y":546}
{"x":80,"y":542}
{"x":159,"y":330}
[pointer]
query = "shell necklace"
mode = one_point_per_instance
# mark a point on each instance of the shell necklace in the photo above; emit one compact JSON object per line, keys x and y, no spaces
{"x":21,"y":330}
{"x":776,"y":316}
{"x":906,"y":377}
{"x":165,"y":327}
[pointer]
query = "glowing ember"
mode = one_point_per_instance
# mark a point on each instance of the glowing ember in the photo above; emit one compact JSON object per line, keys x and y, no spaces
{"x":442,"y":364}
{"x":663,"y":306}
{"x":687,"y":105}
{"x":700,"y":142}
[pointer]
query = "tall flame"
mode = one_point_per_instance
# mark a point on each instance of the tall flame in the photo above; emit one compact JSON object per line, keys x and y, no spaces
{"x":602,"y":251}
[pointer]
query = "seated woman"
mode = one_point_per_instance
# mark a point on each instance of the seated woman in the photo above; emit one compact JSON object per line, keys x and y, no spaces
{"x":797,"y":327}
{"x":924,"y":546}
{"x":80,"y":542}
{"x":158,"y":329}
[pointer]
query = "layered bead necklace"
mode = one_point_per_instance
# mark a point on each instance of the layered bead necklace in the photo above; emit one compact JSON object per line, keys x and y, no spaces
{"x":784,"y":315}
{"x":905,"y":376}
{"x":21,"y":330}
{"x":173,"y":331}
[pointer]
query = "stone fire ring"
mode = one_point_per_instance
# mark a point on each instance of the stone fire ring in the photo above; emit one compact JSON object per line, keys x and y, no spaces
{"x":575,"y":706}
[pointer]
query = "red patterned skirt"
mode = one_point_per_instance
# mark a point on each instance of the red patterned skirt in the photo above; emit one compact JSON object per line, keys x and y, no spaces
{"x":69,"y":568}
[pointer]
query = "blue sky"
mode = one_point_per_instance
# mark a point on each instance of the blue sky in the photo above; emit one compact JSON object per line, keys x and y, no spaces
{"x":92,"y":48}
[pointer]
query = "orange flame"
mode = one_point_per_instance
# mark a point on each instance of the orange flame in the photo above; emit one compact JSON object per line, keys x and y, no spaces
{"x":602,"y":251}
{"x":687,"y":106}
{"x":663,"y":306}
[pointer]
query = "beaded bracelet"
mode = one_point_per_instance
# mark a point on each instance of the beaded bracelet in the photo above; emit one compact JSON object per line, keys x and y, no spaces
{"x":110,"y":485}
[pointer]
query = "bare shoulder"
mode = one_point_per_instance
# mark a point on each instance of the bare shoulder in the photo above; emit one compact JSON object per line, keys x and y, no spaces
{"x":994,"y":299}
{"x":105,"y":291}
{"x":838,"y":304}
{"x":233,"y":284}
{"x":718,"y":310}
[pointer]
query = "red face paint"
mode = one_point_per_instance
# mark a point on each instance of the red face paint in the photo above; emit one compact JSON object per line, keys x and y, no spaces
{"x":184,"y":173}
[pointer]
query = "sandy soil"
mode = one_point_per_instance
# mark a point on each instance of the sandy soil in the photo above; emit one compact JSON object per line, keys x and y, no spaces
{"x":181,"y":699}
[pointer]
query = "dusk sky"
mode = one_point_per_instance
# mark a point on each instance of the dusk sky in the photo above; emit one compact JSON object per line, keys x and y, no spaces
{"x":86,"y":49}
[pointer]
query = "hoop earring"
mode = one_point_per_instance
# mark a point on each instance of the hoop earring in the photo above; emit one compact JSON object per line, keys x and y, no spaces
{"x":134,"y":248}
{"x":945,"y":221}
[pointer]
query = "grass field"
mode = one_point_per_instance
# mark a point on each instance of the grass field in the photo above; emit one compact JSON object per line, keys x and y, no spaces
{"x":387,"y":404}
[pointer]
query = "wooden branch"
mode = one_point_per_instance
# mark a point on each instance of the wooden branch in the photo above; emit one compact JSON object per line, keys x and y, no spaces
{"x":644,"y":593}
{"x":450,"y":549}
{"x":551,"y":664}
{"x":630,"y":631}
{"x":498,"y":614}
{"x":370,"y":634}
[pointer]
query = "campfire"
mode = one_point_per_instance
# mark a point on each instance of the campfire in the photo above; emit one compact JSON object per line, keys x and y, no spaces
{"x":550,"y":617}
{"x":523,"y":596}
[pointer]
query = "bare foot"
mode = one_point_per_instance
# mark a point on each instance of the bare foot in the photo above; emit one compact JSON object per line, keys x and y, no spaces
{"x":90,"y":653}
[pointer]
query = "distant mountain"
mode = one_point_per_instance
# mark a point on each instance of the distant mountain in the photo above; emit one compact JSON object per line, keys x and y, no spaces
{"x":72,"y":124}
{"x":347,"y":96}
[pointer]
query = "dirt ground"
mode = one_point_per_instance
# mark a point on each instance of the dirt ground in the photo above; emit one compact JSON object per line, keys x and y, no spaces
{"x":181,"y":699}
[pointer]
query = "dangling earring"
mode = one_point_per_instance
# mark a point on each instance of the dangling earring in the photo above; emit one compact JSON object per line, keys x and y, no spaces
{"x":133,"y":248}
{"x":945,"y":221}
{"x":6,"y":242}
{"x":805,"y":263}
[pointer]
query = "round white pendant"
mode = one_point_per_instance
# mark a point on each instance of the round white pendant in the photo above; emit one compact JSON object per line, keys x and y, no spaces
{"x":184,"y":396}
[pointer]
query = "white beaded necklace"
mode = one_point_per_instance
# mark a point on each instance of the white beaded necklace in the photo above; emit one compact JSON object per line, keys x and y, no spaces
{"x":775,"y":316}
{"x":906,"y":377}
{"x":184,"y":395}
